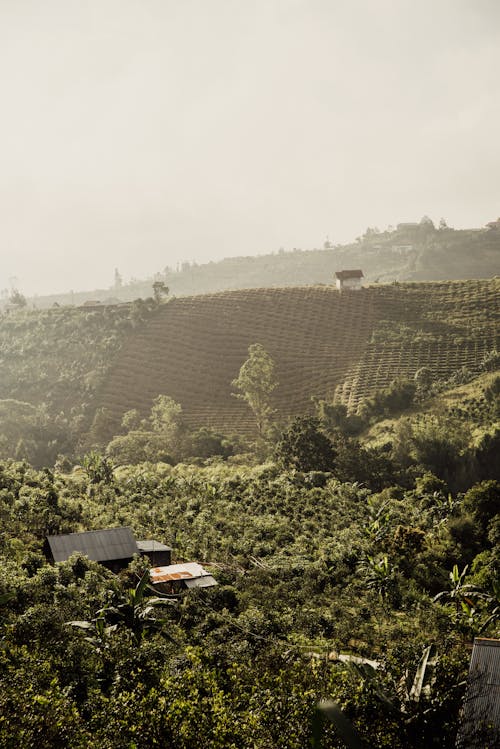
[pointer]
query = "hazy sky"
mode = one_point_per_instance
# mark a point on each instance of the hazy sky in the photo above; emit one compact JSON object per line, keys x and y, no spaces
{"x":139,"y":133}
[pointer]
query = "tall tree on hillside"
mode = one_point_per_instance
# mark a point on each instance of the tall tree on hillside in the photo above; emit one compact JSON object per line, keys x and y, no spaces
{"x":255,"y":383}
{"x":160,"y":291}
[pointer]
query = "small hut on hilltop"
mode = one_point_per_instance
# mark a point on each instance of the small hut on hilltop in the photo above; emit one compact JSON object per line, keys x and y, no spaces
{"x":348,"y":279}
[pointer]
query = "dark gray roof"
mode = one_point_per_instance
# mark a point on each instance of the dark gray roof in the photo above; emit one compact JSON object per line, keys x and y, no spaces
{"x":343,"y":274}
{"x":100,"y":546}
{"x":148,"y":545}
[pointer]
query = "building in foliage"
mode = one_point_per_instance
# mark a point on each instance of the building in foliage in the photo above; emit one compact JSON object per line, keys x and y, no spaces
{"x":174,"y":577}
{"x":480,"y":724}
{"x":348,"y":279}
{"x":114,"y":548}
{"x":158,"y":554}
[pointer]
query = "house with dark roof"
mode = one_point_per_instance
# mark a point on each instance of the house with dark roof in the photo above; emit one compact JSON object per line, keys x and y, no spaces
{"x":114,"y":548}
{"x":348,"y":279}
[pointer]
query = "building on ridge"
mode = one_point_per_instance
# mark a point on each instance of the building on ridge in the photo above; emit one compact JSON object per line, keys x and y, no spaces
{"x":348,"y":279}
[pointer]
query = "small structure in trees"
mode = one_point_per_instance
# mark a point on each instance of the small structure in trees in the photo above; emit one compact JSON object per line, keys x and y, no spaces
{"x":157,"y":553}
{"x":172,"y":578}
{"x":348,"y":279}
{"x":114,"y":548}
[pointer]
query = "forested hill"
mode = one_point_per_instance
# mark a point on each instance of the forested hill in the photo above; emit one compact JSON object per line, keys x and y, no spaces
{"x":416,"y":252}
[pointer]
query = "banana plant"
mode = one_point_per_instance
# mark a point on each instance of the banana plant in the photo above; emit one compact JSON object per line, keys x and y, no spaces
{"x":462,"y":594}
{"x":403,"y":706}
{"x":137,"y":613}
{"x":379,"y":575}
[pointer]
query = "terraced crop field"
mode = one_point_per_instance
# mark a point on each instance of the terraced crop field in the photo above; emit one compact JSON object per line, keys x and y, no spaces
{"x":326,"y":344}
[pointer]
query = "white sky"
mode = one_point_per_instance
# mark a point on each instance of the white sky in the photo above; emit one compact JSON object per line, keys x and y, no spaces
{"x":139,"y":133}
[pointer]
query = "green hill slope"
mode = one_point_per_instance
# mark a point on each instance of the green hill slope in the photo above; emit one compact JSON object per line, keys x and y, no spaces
{"x":58,"y":368}
{"x":341,"y":347}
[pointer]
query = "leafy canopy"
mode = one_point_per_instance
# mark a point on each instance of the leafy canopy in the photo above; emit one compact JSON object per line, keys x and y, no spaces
{"x":255,"y":383}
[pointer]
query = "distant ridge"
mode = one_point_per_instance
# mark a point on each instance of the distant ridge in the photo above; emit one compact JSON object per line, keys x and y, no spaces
{"x":415,"y":252}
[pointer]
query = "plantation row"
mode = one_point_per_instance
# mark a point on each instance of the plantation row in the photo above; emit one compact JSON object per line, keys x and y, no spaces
{"x":193,"y":349}
{"x":341,"y":347}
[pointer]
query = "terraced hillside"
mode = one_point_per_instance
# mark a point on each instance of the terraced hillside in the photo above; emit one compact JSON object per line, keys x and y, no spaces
{"x":324,"y":344}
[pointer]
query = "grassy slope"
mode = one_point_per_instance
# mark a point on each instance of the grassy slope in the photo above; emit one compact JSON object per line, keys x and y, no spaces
{"x":463,"y":398}
{"x":58,"y":356}
{"x":324,"y":344}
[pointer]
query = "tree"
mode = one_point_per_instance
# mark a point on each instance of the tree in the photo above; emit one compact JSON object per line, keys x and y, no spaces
{"x":98,"y":468}
{"x":131,"y":420}
{"x":423,"y":379}
{"x":255,"y":383}
{"x":305,"y":447}
{"x":18,"y":299}
{"x":483,"y":502}
{"x":160,"y":290}
{"x":166,"y":415}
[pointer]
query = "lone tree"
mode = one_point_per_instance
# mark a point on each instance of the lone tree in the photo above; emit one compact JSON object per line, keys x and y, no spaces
{"x":255,"y":384}
{"x":160,"y":291}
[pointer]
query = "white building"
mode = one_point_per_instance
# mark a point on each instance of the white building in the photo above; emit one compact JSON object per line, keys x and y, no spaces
{"x":348,"y":279}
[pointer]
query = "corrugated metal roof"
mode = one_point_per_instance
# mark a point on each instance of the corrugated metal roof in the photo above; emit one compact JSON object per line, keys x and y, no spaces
{"x":480,"y":726}
{"x":100,"y":546}
{"x":207,"y":581}
{"x":191,"y":573}
{"x":147,"y":545}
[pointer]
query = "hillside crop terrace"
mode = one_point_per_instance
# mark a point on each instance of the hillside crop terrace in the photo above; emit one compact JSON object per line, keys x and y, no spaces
{"x":325,"y":344}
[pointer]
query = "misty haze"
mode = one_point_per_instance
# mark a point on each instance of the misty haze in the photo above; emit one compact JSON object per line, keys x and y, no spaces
{"x":249,"y":374}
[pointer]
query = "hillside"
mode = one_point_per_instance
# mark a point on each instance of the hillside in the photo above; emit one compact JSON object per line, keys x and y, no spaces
{"x":341,"y":347}
{"x":58,"y":367}
{"x":411,"y":252}
{"x":51,"y":362}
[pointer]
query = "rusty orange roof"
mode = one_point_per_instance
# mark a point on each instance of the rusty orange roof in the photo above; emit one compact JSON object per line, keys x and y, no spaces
{"x":187,"y":571}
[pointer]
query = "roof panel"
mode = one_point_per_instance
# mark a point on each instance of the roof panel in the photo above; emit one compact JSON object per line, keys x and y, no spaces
{"x":152,"y":545}
{"x":343,"y":274}
{"x":481,"y":715}
{"x":207,"y":581}
{"x":100,"y":546}
{"x":188,"y":571}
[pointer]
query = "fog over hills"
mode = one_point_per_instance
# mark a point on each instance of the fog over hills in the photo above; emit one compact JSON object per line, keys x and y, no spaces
{"x":416,"y":251}
{"x":137,"y":135}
